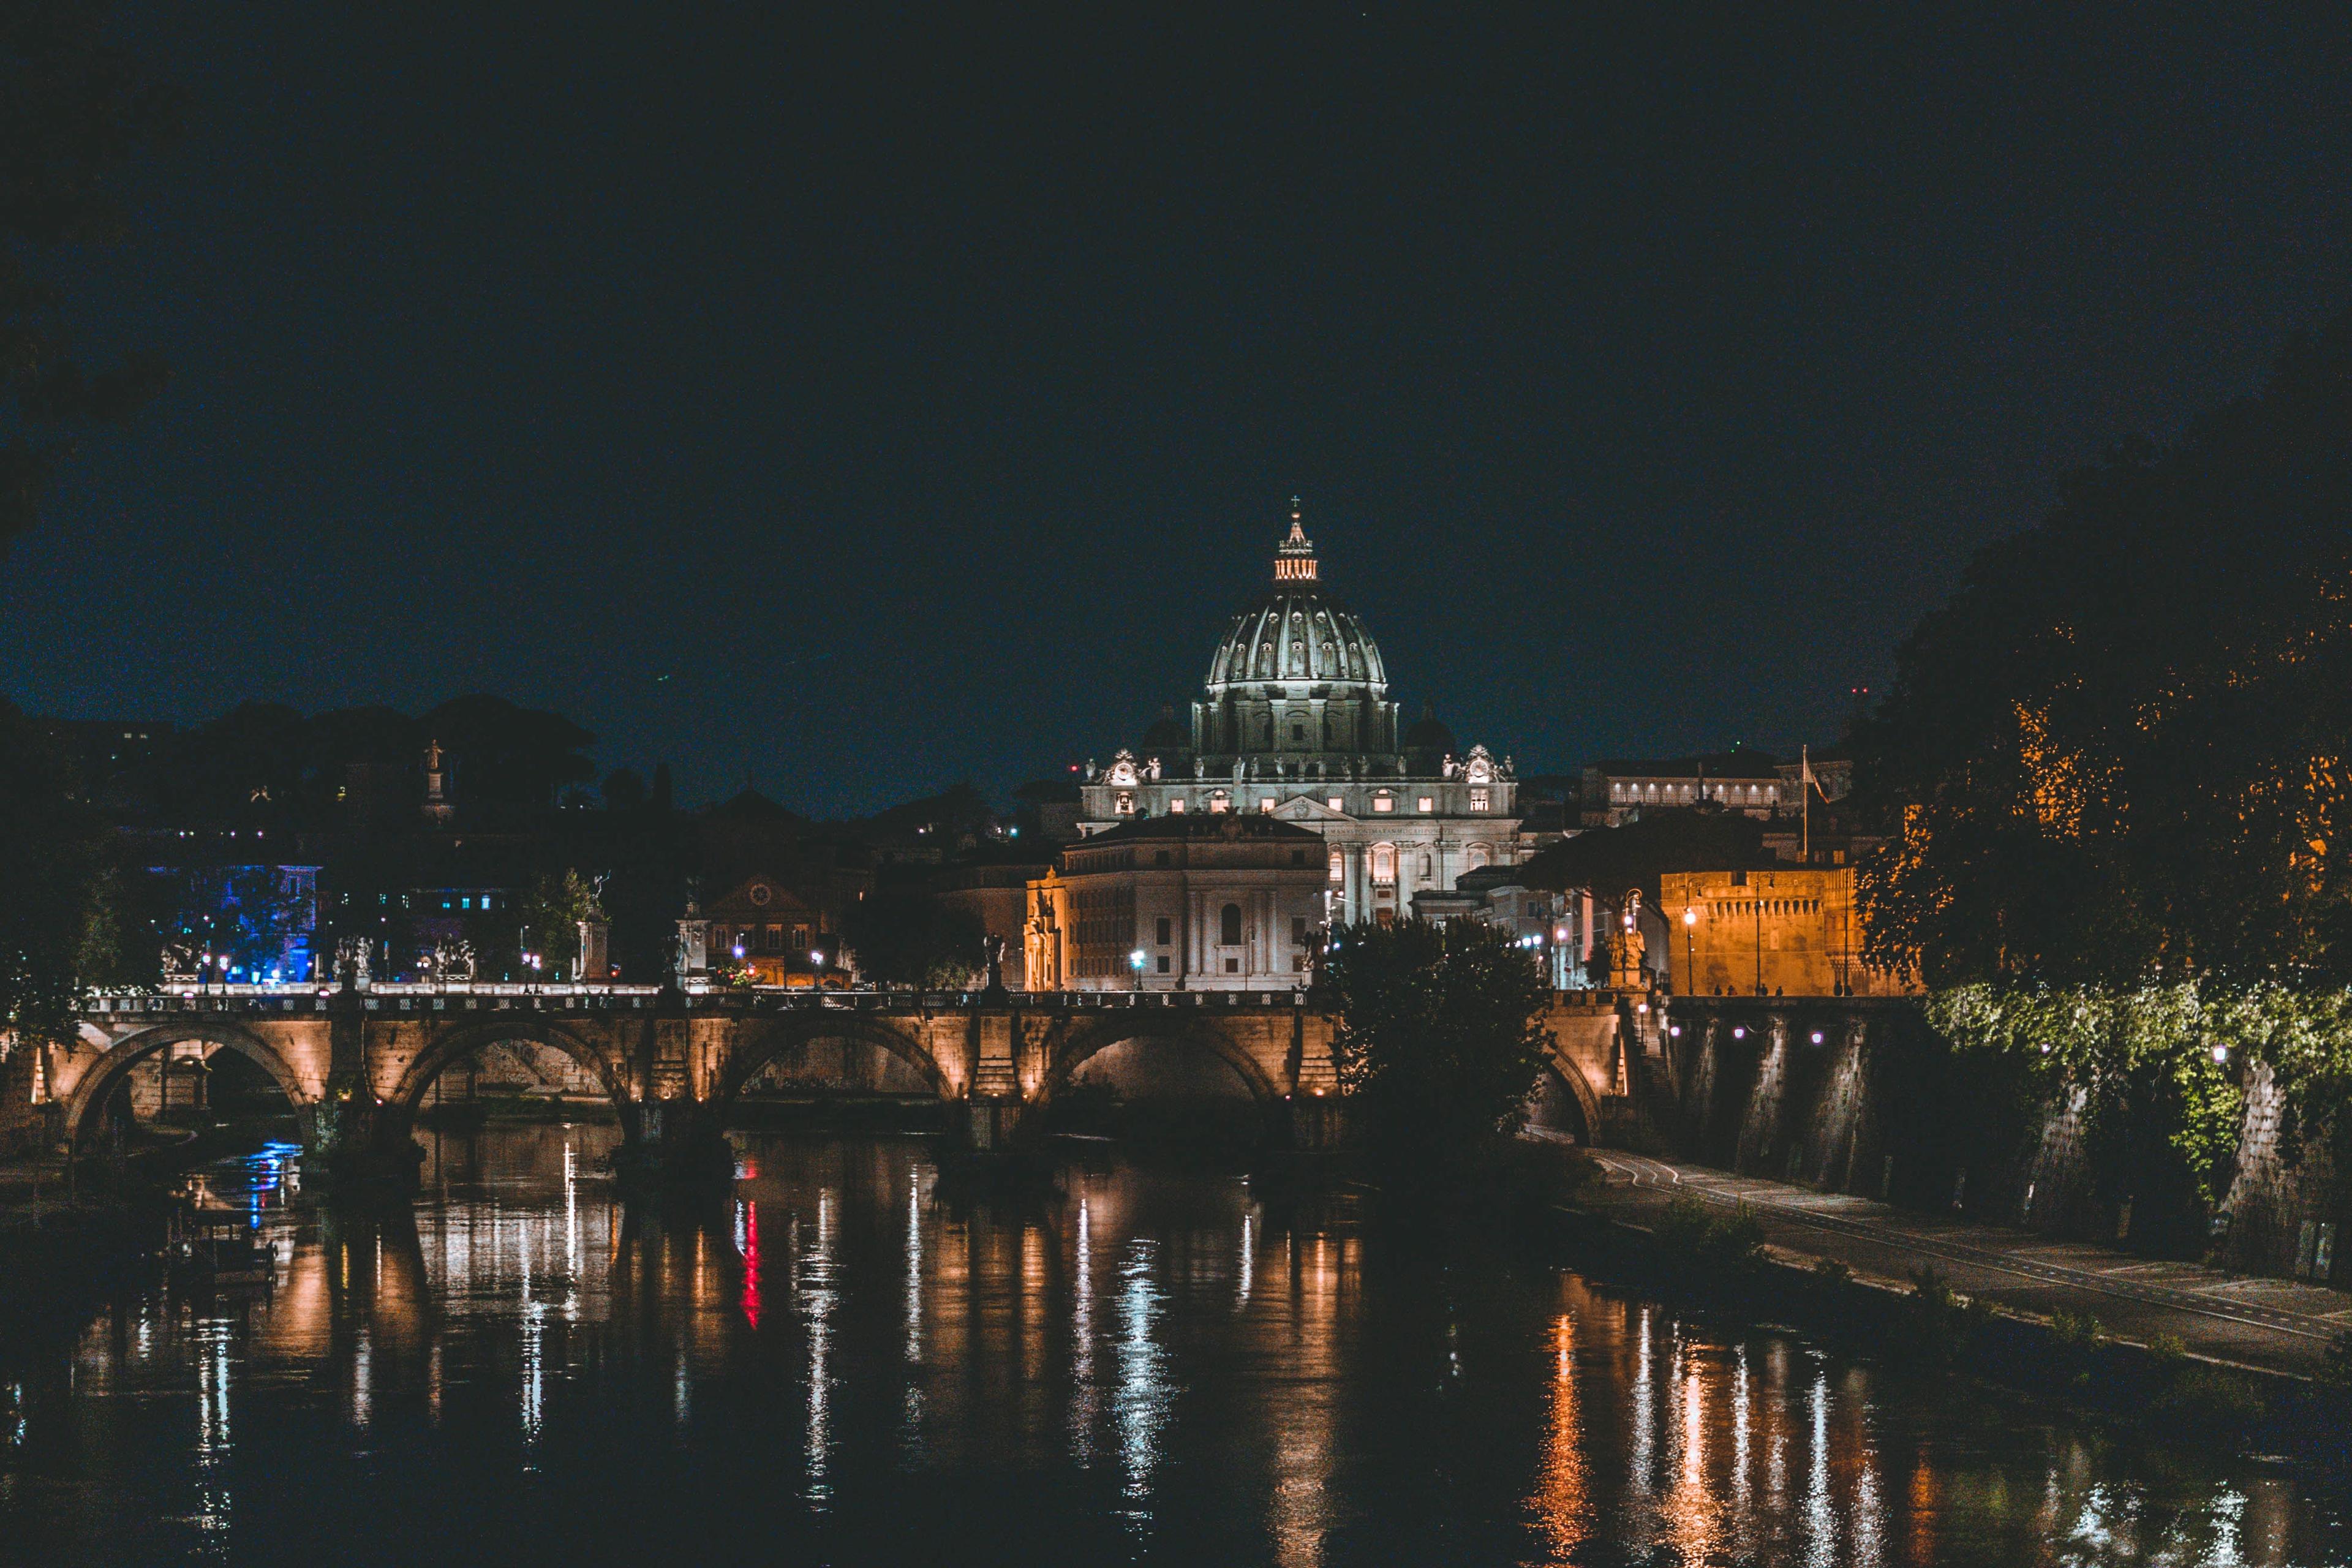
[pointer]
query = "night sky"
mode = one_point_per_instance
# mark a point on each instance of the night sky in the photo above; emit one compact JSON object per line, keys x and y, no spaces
{"x":862,"y":405}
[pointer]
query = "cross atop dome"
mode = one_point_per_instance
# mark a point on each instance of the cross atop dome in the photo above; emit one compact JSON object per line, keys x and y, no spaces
{"x":1294,"y":558}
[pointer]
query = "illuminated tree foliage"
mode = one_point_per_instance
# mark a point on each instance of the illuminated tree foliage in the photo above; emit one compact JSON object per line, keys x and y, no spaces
{"x":2116,"y":766}
{"x":2121,"y":755}
{"x":553,"y":908}
{"x":1439,"y":1040}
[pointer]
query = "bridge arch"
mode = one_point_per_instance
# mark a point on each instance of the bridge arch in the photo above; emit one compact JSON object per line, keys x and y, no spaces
{"x":453,"y":1046}
{"x":1564,"y":1066}
{"x":1086,"y":1041}
{"x":99,"y":1079}
{"x":795,"y":1031}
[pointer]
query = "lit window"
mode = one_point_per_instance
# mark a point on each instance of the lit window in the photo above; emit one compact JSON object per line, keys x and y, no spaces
{"x":1336,"y":804}
{"x":1265,"y":803}
{"x":1339,"y":867}
{"x":1481,"y":799}
{"x":1126,"y":803}
{"x":1221,"y":801}
{"x":1383,"y":802}
{"x":1384,"y":865}
{"x":1426,"y":804}
{"x":1176,"y":805}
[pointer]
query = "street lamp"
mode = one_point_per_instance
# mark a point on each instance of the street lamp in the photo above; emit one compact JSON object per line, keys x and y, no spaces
{"x":816,"y":963}
{"x":1135,"y":962}
{"x":1690,"y":965}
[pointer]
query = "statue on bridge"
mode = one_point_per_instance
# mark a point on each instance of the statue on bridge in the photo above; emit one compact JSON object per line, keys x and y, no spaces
{"x":992,"y":945}
{"x":352,"y":962}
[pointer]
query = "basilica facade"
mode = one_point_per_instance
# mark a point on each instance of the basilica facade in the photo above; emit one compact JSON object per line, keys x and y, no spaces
{"x":1296,"y":724}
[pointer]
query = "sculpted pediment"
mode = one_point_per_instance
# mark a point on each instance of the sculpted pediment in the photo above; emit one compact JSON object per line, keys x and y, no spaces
{"x":1307,"y":809}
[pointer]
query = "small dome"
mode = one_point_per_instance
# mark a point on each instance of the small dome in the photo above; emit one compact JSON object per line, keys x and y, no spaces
{"x":1165,"y":733}
{"x":1428,"y":735}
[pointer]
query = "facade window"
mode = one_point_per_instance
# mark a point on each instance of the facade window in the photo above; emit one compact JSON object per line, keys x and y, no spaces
{"x":1126,"y":803}
{"x":1233,"y":966}
{"x":1339,"y":867}
{"x":1164,"y":959}
{"x":1221,"y":801}
{"x":1176,"y":805}
{"x":1426,"y":804}
{"x":1298,"y":732}
{"x":1481,"y":798}
{"x":1265,"y":803}
{"x":1164,"y":923}
{"x":1229,"y":925}
{"x":1336,"y":804}
{"x":1384,"y":802}
{"x":1299,"y":931}
{"x":1476,"y":856}
{"x":1384,"y":865}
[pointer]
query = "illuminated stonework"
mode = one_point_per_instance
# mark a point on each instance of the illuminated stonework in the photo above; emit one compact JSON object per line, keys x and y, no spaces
{"x":1296,"y":722}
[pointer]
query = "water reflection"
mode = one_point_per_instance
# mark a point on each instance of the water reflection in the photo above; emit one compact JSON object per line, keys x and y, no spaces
{"x":858,"y":1360}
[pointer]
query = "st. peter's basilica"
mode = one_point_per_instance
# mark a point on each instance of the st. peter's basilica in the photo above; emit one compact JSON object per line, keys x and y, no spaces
{"x":1296,"y":723}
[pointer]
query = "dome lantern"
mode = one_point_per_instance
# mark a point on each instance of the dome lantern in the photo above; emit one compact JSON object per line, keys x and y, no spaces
{"x":1294,"y":558}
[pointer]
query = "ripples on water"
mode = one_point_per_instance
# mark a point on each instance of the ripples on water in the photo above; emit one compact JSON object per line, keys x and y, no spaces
{"x":857,"y":1363}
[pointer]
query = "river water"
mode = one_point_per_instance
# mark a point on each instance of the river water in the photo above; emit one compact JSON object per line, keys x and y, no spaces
{"x":858,"y":1361}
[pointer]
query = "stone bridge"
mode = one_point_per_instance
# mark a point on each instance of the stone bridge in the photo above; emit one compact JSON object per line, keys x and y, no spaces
{"x":357,"y":1063}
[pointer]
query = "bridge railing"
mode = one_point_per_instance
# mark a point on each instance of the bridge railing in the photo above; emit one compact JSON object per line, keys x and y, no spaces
{"x":408,"y":996}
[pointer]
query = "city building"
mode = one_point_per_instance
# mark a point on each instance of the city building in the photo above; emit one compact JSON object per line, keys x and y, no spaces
{"x":995,"y":892}
{"x":1297,"y":724}
{"x":1185,"y":902}
{"x":1741,"y":779}
{"x":779,"y":932}
{"x":1552,"y":926}
{"x":1790,"y":931}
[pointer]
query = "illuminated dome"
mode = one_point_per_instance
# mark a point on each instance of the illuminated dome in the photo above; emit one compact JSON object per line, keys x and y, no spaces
{"x":1295,"y":677}
{"x":1294,"y":634}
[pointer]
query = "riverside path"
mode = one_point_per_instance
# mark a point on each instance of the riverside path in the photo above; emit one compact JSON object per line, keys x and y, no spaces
{"x":2278,"y":1325}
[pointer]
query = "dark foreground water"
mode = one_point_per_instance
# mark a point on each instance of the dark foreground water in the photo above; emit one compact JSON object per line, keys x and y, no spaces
{"x":861,"y":1364}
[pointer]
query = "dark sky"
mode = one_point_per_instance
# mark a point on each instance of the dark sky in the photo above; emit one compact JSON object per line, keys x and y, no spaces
{"x":920,"y":392}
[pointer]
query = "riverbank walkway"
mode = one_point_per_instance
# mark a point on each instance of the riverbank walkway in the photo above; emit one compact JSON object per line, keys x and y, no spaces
{"x":2278,"y":1325}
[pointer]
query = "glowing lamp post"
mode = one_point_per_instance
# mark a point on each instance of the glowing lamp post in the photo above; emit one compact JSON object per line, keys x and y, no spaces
{"x":1135,"y":962}
{"x":816,"y":965}
{"x":1690,"y":964}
